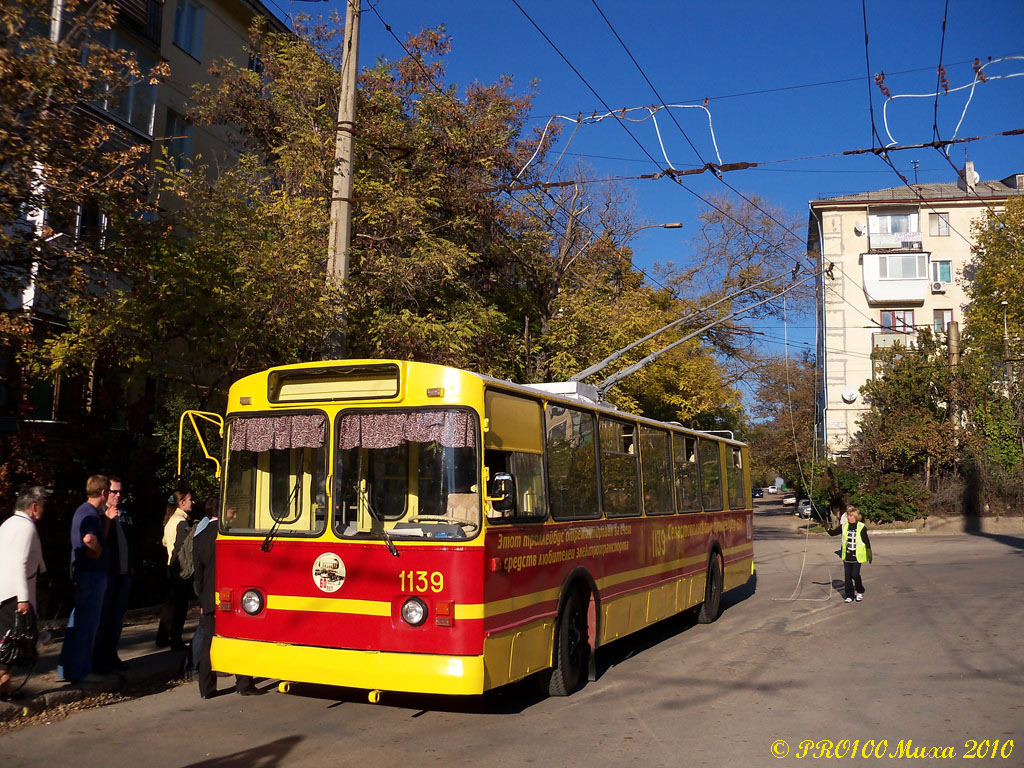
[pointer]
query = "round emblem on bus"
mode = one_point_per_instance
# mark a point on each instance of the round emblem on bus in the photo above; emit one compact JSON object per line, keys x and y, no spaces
{"x":329,"y":572}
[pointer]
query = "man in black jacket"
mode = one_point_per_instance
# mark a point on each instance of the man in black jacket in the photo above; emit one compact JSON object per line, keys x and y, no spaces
{"x":204,"y":557}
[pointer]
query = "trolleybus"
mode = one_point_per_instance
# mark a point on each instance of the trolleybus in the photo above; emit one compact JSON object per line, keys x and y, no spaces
{"x":402,"y":526}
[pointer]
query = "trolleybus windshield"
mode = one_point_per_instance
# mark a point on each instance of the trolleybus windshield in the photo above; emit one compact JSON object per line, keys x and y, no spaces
{"x":276,"y":475}
{"x":413,"y":473}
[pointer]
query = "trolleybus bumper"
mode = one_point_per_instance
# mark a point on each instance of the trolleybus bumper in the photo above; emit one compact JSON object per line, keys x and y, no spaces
{"x":389,"y":671}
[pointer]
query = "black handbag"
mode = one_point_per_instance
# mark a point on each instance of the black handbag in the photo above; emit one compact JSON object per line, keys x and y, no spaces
{"x":18,"y":645}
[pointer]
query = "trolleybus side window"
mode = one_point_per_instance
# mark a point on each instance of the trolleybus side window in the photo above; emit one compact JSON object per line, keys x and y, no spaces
{"x":514,"y":444}
{"x":734,"y":474}
{"x":619,"y":468}
{"x":684,"y":449}
{"x":710,"y":475}
{"x":572,"y":462}
{"x":656,"y":465}
{"x":275,"y":475}
{"x":412,"y":472}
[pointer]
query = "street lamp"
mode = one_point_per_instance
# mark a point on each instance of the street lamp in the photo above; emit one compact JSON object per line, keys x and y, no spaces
{"x":667,"y":225}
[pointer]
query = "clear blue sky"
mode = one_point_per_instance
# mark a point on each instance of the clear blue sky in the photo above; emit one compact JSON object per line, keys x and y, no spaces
{"x":785,"y":80}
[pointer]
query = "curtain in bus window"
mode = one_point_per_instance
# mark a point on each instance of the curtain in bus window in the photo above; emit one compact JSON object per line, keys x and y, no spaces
{"x":618,"y":468}
{"x":734,"y":476}
{"x":710,"y":476}
{"x":268,"y":433}
{"x":452,"y":429}
{"x":572,"y":462}
{"x":684,"y":451}
{"x":656,"y":468}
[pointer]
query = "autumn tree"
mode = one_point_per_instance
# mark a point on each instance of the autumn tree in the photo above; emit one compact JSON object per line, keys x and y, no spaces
{"x":63,"y":171}
{"x":785,"y":417}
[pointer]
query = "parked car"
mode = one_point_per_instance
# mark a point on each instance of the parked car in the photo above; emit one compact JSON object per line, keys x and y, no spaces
{"x":789,"y":500}
{"x":757,"y":493}
{"x":808,"y":510}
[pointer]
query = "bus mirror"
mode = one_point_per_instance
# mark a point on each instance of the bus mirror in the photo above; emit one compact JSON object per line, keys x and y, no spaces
{"x":502,"y":493}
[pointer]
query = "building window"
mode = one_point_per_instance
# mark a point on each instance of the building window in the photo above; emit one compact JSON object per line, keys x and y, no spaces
{"x":892,"y":223}
{"x":938,"y":224}
{"x":942,"y":319}
{"x":135,"y":104}
{"x":902,"y":266}
{"x":898,"y":320}
{"x":942,"y":272}
{"x":188,"y":28}
{"x":894,"y":231}
{"x":178,"y":139}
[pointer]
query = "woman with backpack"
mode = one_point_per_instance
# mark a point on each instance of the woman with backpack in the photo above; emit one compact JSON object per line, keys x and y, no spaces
{"x":177,"y":529}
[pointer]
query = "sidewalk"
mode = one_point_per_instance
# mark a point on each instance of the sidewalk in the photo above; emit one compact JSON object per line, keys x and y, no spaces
{"x":147,"y":665}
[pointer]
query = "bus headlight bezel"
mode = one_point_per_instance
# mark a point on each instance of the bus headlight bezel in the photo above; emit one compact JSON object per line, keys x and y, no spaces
{"x":252,"y":602}
{"x":414,"y":612}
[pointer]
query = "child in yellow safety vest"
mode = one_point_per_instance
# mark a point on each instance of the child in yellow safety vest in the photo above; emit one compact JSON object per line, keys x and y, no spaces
{"x":855,"y":552}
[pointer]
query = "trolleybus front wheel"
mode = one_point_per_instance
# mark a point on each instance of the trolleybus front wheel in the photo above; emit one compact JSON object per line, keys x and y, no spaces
{"x":572,"y":648}
{"x":712,"y":604}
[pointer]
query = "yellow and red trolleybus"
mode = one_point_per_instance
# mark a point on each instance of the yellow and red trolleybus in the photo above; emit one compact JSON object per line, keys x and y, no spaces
{"x":403,"y":526}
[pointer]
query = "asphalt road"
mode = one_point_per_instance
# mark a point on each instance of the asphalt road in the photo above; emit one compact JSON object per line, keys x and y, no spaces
{"x":931,"y":660}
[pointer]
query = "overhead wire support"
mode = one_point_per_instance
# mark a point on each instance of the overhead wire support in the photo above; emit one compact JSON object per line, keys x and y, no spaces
{"x":615,"y":378}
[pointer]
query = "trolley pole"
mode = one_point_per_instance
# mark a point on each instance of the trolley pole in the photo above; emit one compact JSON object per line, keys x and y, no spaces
{"x":340,"y":235}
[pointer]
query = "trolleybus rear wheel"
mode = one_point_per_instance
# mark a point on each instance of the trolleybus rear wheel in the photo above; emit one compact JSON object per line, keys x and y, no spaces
{"x":571,"y":648}
{"x":712,"y":604}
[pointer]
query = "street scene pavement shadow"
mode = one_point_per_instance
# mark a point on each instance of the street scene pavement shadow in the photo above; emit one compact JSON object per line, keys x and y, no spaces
{"x":264,"y":756}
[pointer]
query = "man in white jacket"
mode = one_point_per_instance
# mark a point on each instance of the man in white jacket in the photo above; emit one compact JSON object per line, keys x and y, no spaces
{"x":21,"y":561}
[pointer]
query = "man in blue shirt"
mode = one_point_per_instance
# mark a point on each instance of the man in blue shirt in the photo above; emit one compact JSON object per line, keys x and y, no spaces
{"x":89,"y":567}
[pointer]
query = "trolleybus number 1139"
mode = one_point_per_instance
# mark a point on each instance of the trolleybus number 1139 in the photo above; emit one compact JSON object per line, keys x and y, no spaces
{"x":421,"y":581}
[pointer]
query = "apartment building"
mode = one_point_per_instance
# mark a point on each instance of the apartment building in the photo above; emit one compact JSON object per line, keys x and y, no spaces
{"x":892,"y":263}
{"x":189,"y":35}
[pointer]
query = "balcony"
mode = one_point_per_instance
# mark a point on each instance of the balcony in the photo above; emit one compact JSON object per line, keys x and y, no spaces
{"x":894,"y":241}
{"x":887,"y":338}
{"x":896,"y":277}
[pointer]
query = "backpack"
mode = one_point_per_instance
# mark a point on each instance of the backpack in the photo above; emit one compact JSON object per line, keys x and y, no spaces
{"x":186,"y":566}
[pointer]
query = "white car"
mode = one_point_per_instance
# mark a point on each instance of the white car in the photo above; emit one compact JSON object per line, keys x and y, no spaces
{"x":789,"y":500}
{"x":772,"y":489}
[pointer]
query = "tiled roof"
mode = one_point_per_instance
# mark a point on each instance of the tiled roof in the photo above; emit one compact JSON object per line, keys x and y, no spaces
{"x":943,"y":191}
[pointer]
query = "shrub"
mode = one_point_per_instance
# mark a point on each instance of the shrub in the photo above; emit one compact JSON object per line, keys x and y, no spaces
{"x":895,"y":498}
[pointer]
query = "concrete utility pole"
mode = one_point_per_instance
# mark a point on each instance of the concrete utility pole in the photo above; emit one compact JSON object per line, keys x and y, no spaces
{"x":340,"y":236}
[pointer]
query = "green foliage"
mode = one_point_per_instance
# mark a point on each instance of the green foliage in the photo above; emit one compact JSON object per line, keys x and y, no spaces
{"x":894,"y":498}
{"x":908,"y":429}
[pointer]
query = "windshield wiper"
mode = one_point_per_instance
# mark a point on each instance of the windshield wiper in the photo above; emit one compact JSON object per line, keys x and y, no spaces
{"x":268,"y":543}
{"x":387,"y":537}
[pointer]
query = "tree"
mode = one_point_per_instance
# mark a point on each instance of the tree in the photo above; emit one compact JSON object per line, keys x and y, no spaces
{"x":59,"y":164}
{"x":785,"y":410}
{"x":908,"y":428}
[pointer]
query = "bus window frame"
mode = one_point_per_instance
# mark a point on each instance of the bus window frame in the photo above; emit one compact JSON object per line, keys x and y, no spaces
{"x":667,"y":433}
{"x":638,"y":483}
{"x":281,"y":532}
{"x":598,"y":512}
{"x":519,"y":519}
{"x":478,"y":423}
{"x":699,"y":508}
{"x":732,"y":453}
{"x":721,"y":484}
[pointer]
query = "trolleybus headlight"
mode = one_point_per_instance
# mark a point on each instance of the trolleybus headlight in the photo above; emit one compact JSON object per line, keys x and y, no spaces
{"x":414,"y":611}
{"x":252,"y":601}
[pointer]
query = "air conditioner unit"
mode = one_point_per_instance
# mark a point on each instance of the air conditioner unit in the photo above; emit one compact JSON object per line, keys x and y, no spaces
{"x":938,"y":287}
